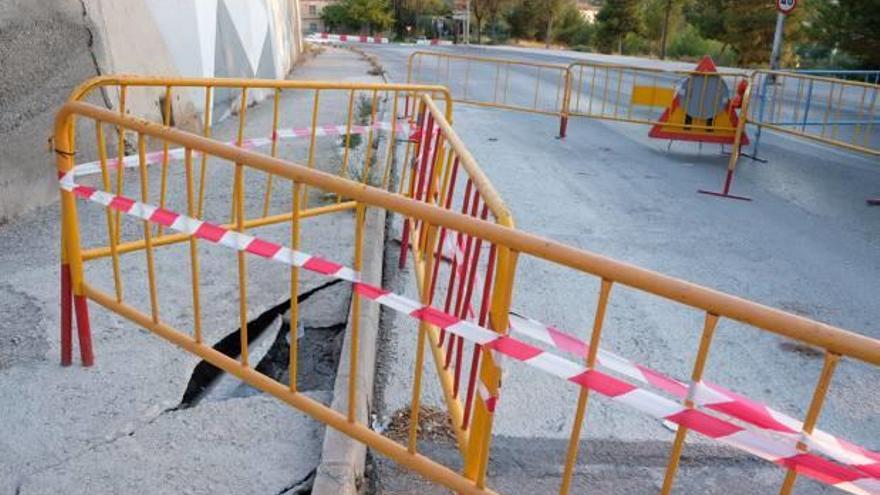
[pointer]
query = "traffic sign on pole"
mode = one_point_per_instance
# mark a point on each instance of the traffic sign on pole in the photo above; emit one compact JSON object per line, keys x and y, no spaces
{"x":786,"y":7}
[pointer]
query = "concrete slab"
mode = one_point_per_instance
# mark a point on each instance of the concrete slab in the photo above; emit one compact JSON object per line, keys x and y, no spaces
{"x":253,"y":445}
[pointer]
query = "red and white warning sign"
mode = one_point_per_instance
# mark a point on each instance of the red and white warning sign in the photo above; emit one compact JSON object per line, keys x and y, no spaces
{"x":702,"y":110}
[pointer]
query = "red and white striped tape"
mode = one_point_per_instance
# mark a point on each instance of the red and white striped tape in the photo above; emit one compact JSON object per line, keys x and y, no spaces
{"x":350,"y":38}
{"x":704,"y":394}
{"x":773,"y":449}
{"x":156,"y":157}
{"x":708,"y":395}
{"x":434,"y":42}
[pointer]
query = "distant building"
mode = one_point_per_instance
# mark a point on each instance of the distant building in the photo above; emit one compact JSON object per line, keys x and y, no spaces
{"x":311,"y":15}
{"x":588,"y":10}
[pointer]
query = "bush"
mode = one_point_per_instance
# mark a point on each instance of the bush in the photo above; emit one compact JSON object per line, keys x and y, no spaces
{"x":633,"y":44}
{"x":688,"y":44}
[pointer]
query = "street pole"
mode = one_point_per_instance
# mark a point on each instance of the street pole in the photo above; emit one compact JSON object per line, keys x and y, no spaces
{"x":777,"y":42}
{"x":467,"y":24}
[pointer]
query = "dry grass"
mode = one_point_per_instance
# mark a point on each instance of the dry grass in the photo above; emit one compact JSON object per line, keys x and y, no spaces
{"x":434,"y":425}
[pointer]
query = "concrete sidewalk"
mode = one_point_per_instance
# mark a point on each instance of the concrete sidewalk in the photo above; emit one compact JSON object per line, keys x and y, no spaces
{"x":113,"y":428}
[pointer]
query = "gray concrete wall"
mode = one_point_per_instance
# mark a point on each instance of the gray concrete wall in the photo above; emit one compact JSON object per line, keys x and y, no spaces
{"x":48,"y":47}
{"x":44,"y":52}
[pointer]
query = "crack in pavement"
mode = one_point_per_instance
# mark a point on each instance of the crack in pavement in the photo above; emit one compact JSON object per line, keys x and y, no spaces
{"x":205,"y":374}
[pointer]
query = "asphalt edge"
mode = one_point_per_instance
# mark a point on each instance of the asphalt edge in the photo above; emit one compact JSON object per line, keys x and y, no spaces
{"x":343,"y":459}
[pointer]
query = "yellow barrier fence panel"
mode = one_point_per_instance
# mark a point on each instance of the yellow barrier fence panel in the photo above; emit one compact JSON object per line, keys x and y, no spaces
{"x":836,"y":112}
{"x":503,"y":83}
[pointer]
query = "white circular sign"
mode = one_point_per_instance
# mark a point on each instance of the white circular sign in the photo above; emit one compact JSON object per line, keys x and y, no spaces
{"x":786,"y":6}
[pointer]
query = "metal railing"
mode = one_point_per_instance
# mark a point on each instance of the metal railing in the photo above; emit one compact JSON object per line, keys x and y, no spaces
{"x":865,"y":76}
{"x":192,"y":228}
{"x":493,"y":82}
{"x":452,"y":252}
{"x":641,"y":95}
{"x":837,"y":112}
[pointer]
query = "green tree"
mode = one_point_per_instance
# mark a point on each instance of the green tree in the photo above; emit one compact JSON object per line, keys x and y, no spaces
{"x":374,"y":14}
{"x":745,"y":25}
{"x":852,"y":26}
{"x":571,"y":28}
{"x":662,"y":17}
{"x":616,"y":19}
{"x":480,"y":10}
{"x":335,"y":17}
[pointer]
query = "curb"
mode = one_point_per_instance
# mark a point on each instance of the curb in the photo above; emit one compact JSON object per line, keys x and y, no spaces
{"x":341,"y":470}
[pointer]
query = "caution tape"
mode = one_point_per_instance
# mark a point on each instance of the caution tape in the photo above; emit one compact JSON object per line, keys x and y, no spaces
{"x":156,"y":157}
{"x":709,"y":395}
{"x":702,"y":393}
{"x":778,"y":451}
{"x":351,"y":38}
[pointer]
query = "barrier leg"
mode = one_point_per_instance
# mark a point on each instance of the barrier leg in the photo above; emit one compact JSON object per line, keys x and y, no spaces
{"x":66,"y":316}
{"x":725,"y":191}
{"x":84,"y":332}
{"x":563,"y":125}
{"x":404,"y":243}
{"x":734,"y":157}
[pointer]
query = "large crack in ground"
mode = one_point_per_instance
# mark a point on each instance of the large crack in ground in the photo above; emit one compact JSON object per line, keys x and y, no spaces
{"x":318,"y":354}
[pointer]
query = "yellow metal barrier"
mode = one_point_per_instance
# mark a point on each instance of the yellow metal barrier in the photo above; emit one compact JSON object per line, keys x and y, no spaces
{"x":493,"y":82}
{"x":240,"y":156}
{"x":836,"y":112}
{"x":640,"y":95}
{"x":442,"y":267}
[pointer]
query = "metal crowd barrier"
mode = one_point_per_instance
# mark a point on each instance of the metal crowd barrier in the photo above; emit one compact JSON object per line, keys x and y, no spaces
{"x":866,"y":76}
{"x":493,"y":82}
{"x":465,"y":254}
{"x":838,"y":112}
{"x":191,"y":226}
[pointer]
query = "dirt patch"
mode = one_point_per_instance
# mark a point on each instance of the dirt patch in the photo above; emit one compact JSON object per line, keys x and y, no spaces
{"x":434,"y":425}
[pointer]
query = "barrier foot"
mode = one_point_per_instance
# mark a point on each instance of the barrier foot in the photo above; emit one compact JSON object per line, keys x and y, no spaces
{"x":66,"y":316}
{"x":873,"y":201}
{"x":725,"y":193}
{"x":84,"y":332}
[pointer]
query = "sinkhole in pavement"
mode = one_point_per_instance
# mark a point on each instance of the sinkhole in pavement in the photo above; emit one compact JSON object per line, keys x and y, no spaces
{"x":268,"y":345}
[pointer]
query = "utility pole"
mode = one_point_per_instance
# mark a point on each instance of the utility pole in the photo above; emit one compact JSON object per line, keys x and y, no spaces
{"x":783,"y":7}
{"x":665,"y":30}
{"x":777,"y":42}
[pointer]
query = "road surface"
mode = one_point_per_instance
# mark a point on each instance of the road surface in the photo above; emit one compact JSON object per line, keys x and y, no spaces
{"x":807,"y":243}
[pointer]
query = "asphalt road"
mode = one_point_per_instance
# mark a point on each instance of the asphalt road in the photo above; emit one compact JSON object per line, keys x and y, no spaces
{"x":807,"y":243}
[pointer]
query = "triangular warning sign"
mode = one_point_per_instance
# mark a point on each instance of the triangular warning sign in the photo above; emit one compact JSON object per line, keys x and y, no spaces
{"x":708,"y":116}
